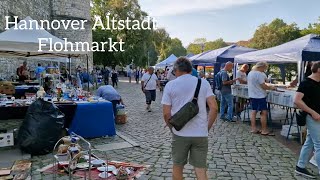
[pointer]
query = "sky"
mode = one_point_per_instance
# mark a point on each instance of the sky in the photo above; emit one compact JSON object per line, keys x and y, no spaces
{"x":232,"y":20}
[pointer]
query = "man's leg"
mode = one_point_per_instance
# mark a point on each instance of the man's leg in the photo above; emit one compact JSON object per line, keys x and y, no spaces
{"x":198,"y":156}
{"x":263,"y":118}
{"x":229,"y":99}
{"x":312,"y":143}
{"x":148,"y":99}
{"x":222,"y":106}
{"x":180,"y":150}
{"x":253,"y":120}
{"x":201,"y":173}
{"x":177,"y":172}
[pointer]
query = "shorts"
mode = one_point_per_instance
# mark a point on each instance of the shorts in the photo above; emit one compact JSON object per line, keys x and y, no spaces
{"x":192,"y":149}
{"x":259,"y":104}
{"x":150,"y":96}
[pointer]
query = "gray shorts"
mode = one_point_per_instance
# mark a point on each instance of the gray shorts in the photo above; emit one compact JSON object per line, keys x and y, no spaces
{"x":192,"y":149}
{"x":150,"y":96}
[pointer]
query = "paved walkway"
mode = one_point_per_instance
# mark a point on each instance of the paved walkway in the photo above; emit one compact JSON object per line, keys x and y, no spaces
{"x":234,"y":153}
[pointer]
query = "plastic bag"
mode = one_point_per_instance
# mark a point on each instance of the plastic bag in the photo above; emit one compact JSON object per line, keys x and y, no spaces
{"x":41,"y":128}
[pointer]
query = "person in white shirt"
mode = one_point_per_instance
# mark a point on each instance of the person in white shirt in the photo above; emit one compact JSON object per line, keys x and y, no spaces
{"x":191,"y":142}
{"x":241,"y":75}
{"x":257,"y":89}
{"x":149,"y":83}
{"x":171,"y":75}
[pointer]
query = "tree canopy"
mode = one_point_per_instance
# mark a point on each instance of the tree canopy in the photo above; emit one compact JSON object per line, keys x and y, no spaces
{"x":201,"y":44}
{"x":141,"y":46}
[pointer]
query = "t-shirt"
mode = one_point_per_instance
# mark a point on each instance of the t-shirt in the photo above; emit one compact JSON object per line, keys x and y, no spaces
{"x":241,"y":75}
{"x":181,"y":91}
{"x":225,"y":89}
{"x":255,"y":79}
{"x":194,"y":72}
{"x":310,"y":88}
{"x":107,"y":92}
{"x":150,"y":84}
{"x":170,"y":75}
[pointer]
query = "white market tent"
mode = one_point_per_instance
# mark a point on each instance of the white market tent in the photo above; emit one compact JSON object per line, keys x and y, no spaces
{"x":299,"y":51}
{"x":167,"y":62}
{"x":306,"y":48}
{"x":25,"y":42}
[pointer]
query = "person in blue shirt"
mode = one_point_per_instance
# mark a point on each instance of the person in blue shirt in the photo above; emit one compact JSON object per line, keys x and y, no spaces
{"x":39,"y":70}
{"x":108,"y":93}
{"x":194,"y":73}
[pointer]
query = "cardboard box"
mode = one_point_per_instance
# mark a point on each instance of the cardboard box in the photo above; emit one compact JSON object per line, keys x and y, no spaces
{"x":6,"y":139}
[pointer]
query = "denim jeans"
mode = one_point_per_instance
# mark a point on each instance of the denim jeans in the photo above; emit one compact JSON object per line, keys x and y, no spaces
{"x":312,"y":143}
{"x":226,"y":99}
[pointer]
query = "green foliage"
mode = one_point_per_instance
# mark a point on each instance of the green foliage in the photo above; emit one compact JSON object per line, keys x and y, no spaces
{"x":175,"y":47}
{"x":273,"y":34}
{"x":312,"y":28}
{"x":201,"y":44}
{"x":141,"y":46}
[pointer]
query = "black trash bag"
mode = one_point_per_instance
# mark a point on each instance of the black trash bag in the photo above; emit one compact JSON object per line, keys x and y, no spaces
{"x":41,"y":128}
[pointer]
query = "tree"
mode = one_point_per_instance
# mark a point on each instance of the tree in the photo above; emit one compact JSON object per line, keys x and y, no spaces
{"x":273,"y":34}
{"x":312,"y":28}
{"x":199,"y":45}
{"x":219,"y":43}
{"x":175,"y":47}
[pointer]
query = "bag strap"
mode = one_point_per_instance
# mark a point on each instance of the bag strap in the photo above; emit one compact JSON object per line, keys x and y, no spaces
{"x":148,"y":81}
{"x":196,"y":93}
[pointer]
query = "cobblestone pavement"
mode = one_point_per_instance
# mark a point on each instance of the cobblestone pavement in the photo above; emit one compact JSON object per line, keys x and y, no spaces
{"x":234,"y":153}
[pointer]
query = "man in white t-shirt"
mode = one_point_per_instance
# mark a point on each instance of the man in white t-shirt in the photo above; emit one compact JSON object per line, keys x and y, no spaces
{"x":149,"y":83}
{"x":257,"y":89}
{"x":191,"y":142}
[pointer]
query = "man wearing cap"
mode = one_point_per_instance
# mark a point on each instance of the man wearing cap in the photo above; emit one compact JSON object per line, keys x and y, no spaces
{"x":257,"y":89}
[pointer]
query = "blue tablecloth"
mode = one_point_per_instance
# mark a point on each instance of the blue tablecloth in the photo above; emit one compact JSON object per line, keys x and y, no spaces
{"x":93,"y":120}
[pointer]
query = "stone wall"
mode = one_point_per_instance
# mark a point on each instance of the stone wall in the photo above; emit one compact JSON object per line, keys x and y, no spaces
{"x":49,"y":10}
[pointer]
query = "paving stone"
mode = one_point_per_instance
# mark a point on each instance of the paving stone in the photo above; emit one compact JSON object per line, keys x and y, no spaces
{"x":234,"y":153}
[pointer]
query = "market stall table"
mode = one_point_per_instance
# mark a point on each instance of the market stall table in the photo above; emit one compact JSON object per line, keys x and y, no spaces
{"x":93,"y":119}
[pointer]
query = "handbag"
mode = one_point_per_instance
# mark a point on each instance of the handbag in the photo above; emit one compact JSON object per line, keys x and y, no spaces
{"x":301,"y":117}
{"x":187,"y":112}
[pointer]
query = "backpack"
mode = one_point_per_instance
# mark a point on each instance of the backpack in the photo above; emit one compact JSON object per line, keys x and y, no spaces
{"x":218,"y":81}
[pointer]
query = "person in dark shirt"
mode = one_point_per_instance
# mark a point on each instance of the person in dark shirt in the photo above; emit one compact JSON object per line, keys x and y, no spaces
{"x":308,"y":99}
{"x":114,"y":78}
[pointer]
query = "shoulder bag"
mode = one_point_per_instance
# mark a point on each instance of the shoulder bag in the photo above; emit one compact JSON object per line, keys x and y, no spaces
{"x":187,"y":112}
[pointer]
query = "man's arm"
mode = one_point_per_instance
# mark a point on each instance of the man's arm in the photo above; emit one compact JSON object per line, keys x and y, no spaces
{"x":142,"y":86}
{"x":225,"y":81}
{"x":213,"y":111}
{"x":167,"y":114}
{"x":266,"y":87}
{"x":302,"y":105}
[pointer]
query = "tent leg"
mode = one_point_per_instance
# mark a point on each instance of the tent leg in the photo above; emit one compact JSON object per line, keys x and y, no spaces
{"x":88,"y":72}
{"x":69,"y":74}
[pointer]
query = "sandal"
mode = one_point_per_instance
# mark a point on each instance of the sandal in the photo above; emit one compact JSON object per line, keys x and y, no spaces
{"x":268,"y":134}
{"x":256,"y":132}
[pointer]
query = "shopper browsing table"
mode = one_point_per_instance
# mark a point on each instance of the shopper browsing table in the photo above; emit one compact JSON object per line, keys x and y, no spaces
{"x":257,"y":89}
{"x":108,"y":93}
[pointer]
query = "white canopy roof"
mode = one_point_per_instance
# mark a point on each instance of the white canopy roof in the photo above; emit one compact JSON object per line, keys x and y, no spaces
{"x":306,"y":48}
{"x":167,"y":62}
{"x":25,"y":43}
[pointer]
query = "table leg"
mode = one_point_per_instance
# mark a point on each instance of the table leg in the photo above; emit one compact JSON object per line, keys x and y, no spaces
{"x":269,"y":119}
